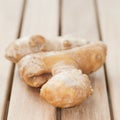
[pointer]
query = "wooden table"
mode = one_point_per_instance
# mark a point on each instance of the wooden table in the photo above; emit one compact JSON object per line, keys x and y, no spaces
{"x":92,"y":19}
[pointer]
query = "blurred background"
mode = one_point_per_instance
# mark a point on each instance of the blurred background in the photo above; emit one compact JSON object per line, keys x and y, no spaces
{"x":92,"y":19}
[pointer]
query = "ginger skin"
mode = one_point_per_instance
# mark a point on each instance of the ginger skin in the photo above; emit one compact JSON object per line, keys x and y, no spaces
{"x":24,"y":46}
{"x":37,"y":43}
{"x":60,"y":65}
{"x":67,"y":88}
{"x":88,"y":58}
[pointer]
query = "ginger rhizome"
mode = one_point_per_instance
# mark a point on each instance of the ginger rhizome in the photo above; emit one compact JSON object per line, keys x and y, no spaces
{"x":61,"y":69}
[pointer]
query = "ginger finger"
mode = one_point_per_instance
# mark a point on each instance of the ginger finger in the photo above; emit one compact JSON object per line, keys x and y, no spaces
{"x":29,"y":71}
{"x":36,"y":81}
{"x":68,"y":87}
{"x":23,"y":46}
{"x":37,"y":43}
{"x":88,"y":58}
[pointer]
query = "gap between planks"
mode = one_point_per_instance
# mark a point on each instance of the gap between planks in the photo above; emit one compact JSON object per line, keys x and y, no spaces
{"x":9,"y":92}
{"x":33,"y":23}
{"x":105,"y":71}
{"x":82,"y":20}
{"x":13,"y":65}
{"x":9,"y":22}
{"x":58,"y":110}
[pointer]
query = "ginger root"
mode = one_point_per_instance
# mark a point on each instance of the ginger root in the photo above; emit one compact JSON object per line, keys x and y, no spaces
{"x":61,"y":64}
{"x":87,"y":58}
{"x":68,"y":86}
{"x":36,"y":43}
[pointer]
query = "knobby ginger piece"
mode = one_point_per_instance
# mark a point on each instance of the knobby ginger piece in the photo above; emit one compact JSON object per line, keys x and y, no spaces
{"x":88,"y":58}
{"x":37,"y":43}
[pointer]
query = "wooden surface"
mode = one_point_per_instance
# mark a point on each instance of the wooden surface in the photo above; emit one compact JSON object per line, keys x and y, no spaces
{"x":91,"y":19}
{"x":95,"y":107}
{"x":25,"y":100}
{"x":10,"y":16}
{"x":109,"y":19}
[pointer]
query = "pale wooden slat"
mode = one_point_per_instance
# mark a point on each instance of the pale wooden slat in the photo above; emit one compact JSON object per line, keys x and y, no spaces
{"x":41,"y":17}
{"x":79,"y":18}
{"x":10,"y":15}
{"x":109,"y":15}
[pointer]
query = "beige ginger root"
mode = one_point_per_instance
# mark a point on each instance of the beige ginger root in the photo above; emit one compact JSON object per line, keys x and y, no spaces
{"x":61,"y":64}
{"x":87,"y":58}
{"x":36,"y":43}
{"x":67,"y":88}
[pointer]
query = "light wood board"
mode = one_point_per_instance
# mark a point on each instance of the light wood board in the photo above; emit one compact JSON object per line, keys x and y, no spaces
{"x":109,"y":15}
{"x":41,"y":16}
{"x":78,"y":18}
{"x":10,"y":15}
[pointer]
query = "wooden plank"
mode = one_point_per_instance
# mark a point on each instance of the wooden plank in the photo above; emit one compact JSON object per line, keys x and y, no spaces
{"x":79,"y":18}
{"x":41,"y":17}
{"x":109,"y":15}
{"x":10,"y":15}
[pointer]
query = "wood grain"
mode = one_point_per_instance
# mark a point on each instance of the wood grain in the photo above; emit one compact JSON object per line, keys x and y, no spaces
{"x":109,"y":15}
{"x":10,"y":15}
{"x":41,"y":16}
{"x":78,"y":18}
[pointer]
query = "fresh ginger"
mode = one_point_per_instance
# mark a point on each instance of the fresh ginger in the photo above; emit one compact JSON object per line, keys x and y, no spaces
{"x":58,"y":65}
